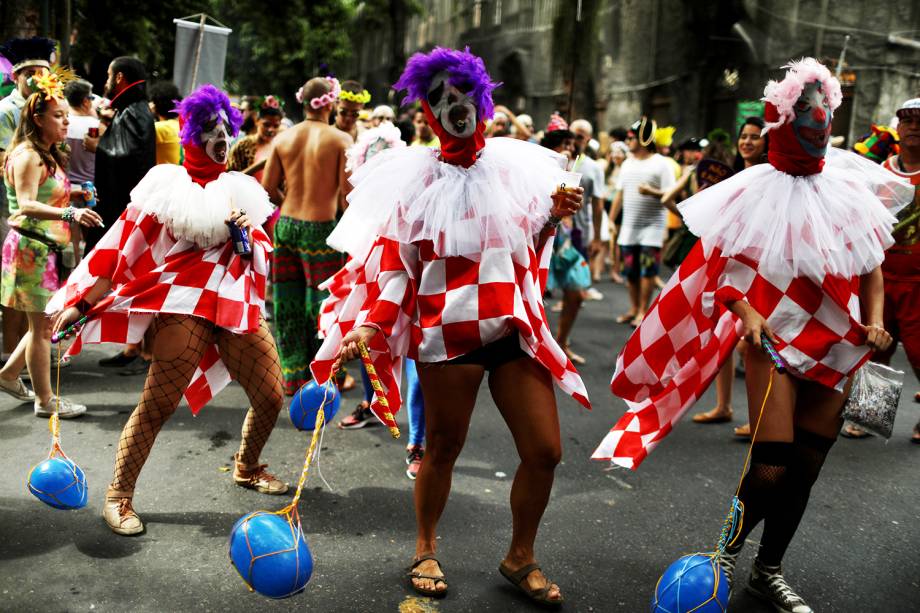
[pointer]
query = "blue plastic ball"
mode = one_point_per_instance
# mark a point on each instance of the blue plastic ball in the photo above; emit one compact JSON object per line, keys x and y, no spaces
{"x":59,"y":483}
{"x":271,"y":554}
{"x":306,"y":403}
{"x":692,"y":583}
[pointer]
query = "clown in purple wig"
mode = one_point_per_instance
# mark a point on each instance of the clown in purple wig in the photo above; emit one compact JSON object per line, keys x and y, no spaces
{"x":208,"y":121}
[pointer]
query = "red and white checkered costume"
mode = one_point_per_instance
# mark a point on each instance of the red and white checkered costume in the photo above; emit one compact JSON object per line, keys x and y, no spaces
{"x":153,"y":270}
{"x":434,"y":307}
{"x":837,"y":225}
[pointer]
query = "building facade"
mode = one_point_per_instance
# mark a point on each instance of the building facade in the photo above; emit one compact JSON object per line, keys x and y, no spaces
{"x":687,"y":63}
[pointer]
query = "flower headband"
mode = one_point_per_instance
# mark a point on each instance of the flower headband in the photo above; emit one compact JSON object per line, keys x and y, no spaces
{"x":324,"y":100}
{"x":361,"y":98}
{"x":50,"y":83}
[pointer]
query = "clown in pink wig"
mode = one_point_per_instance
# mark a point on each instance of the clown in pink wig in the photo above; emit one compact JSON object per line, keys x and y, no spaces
{"x":788,"y":255}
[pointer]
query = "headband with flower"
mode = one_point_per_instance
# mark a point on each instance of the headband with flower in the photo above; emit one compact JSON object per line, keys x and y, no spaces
{"x":362,"y":97}
{"x":326,"y":99}
{"x":50,"y":83}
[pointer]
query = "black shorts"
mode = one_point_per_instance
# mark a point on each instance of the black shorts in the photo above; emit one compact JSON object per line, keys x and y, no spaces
{"x":495,"y":354}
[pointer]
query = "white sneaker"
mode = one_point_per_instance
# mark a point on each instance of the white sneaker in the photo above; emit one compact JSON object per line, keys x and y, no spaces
{"x":593,"y":294}
{"x":17,"y":389}
{"x":67,"y":409}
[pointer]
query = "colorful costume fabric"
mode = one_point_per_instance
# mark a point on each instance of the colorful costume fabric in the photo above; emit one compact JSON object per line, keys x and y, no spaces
{"x":788,"y":237}
{"x":301,"y":262}
{"x":901,"y":269}
{"x":452,"y":264}
{"x":31,"y":251}
{"x":170,"y":252}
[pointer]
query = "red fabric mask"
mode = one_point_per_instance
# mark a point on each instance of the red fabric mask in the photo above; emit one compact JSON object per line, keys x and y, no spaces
{"x":786,"y":153}
{"x":201,"y":168}
{"x":456,"y":151}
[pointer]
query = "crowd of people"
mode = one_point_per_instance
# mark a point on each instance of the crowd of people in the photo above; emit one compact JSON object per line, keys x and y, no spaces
{"x":123,"y":208}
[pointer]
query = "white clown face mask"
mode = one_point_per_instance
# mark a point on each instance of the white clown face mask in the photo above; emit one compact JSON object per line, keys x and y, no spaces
{"x":215,"y":137}
{"x":453,"y":108}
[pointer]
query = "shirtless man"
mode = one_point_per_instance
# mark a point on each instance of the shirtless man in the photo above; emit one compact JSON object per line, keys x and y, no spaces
{"x":309,"y":159}
{"x":351,"y":102}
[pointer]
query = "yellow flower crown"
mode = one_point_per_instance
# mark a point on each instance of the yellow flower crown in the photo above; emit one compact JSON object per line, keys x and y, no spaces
{"x":363,"y":98}
{"x":50,"y":83}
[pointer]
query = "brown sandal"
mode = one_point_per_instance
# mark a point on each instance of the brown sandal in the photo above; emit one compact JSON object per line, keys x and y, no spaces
{"x":538,"y":595}
{"x":413,"y":574}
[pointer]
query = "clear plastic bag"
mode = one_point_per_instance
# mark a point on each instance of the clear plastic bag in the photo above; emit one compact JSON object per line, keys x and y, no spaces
{"x":874,"y":397}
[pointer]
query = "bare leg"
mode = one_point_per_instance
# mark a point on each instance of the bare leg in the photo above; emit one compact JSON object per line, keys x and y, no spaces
{"x":15,"y":326}
{"x":723,"y":410}
{"x":38,"y":355}
{"x":450,"y":396}
{"x":17,"y":360}
{"x":646,"y":286}
{"x":523,"y":391}
{"x":571,"y":303}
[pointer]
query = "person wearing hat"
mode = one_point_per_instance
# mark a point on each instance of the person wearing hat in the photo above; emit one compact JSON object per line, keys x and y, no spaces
{"x":28,"y":56}
{"x":643,"y":180}
{"x":381,"y":114}
{"x":901,"y":268}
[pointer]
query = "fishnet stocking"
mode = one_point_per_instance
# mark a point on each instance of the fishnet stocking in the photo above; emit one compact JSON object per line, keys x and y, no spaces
{"x":179,"y":341}
{"x":762,"y":485}
{"x":252,"y":360}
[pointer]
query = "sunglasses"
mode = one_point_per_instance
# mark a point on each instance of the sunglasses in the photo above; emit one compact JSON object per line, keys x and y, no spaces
{"x":346,"y":113}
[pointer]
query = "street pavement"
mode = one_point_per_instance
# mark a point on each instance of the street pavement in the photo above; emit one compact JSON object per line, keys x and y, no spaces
{"x":606,"y":537}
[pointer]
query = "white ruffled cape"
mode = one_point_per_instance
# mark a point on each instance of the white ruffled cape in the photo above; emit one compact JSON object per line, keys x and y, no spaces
{"x":195,"y":213}
{"x":837,"y":222}
{"x":409,"y":195}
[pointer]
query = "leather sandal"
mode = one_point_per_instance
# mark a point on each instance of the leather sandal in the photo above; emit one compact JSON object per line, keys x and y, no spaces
{"x":414,"y":574}
{"x":713,"y":416}
{"x":538,"y":595}
{"x":119,"y":514}
{"x":743,"y":431}
{"x":256,"y":477}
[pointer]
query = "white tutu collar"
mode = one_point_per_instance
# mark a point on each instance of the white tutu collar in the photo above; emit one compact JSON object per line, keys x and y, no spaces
{"x":195,"y":213}
{"x":408,"y":195}
{"x":837,"y":222}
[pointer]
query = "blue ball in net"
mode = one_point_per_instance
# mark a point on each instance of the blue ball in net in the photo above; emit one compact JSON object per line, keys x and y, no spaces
{"x":692,"y":583}
{"x":59,"y":483}
{"x":306,"y":403}
{"x":271,"y":554}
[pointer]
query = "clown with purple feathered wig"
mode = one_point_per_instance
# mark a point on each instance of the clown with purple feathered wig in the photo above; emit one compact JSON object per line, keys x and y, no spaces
{"x":788,"y":255}
{"x":449,"y":251}
{"x":168,"y":273}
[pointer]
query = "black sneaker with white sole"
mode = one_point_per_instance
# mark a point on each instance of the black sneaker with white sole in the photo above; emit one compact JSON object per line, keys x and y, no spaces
{"x":767,"y":583}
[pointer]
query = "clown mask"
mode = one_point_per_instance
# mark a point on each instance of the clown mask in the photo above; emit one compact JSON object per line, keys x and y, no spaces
{"x":812,"y":123}
{"x":452,"y":106}
{"x":215,"y":137}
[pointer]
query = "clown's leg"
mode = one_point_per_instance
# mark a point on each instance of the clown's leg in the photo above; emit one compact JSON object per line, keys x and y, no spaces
{"x":179,"y":342}
{"x":523,"y":391}
{"x":252,"y":359}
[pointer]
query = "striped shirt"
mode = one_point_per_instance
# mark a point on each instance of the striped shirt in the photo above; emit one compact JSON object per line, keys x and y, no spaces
{"x":643,"y":216}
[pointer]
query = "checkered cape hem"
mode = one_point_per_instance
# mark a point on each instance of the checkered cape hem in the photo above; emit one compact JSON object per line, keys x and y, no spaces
{"x":688,"y":334}
{"x":434,"y":309}
{"x":152,"y":272}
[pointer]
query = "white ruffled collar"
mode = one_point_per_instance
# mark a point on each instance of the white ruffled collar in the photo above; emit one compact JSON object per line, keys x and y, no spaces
{"x":195,"y":213}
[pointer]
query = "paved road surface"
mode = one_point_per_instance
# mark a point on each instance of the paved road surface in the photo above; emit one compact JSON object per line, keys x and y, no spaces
{"x":607,"y":534}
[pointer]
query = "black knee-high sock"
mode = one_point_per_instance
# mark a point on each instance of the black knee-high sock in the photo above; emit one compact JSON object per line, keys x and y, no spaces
{"x":780,"y":525}
{"x":762,"y":484}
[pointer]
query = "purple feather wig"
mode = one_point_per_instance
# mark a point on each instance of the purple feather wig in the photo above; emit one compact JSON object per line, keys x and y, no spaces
{"x":199,"y":107}
{"x":465,"y":69}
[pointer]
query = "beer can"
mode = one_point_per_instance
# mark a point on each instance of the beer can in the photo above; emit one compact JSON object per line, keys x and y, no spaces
{"x":240,"y":238}
{"x":93,"y":132}
{"x":89,"y":188}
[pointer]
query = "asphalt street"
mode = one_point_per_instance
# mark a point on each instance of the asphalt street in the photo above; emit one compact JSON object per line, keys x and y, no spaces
{"x":606,"y":537}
